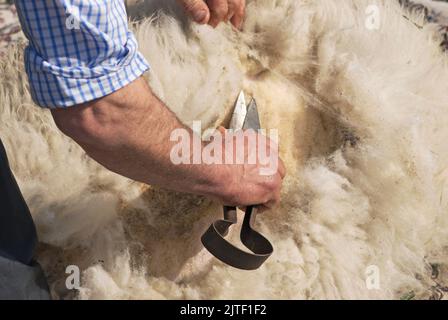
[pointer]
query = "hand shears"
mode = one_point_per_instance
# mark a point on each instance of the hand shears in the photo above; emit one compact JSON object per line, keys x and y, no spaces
{"x":244,"y":117}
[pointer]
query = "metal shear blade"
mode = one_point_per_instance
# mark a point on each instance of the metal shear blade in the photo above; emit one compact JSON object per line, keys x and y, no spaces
{"x":244,"y":117}
{"x":252,"y":120}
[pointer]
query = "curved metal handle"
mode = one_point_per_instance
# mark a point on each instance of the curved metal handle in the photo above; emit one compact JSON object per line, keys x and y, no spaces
{"x":214,"y":241}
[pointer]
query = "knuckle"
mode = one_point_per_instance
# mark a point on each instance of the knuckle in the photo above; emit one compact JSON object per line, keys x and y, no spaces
{"x":220,"y":9}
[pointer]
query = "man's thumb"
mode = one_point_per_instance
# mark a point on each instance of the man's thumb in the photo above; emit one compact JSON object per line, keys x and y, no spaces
{"x":197,"y":9}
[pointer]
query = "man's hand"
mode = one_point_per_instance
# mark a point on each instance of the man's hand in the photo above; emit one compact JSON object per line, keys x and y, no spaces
{"x":258,"y":182}
{"x":215,"y":11}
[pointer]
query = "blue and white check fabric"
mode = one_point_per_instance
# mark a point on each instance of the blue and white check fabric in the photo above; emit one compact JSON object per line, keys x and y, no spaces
{"x":79,"y":50}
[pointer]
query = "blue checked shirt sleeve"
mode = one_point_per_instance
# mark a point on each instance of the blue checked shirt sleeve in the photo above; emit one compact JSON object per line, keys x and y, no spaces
{"x":79,"y":50}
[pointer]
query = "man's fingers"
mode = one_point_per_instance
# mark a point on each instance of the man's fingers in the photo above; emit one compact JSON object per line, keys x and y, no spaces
{"x":219,"y":10}
{"x":215,"y":11}
{"x":197,"y":9}
{"x":238,"y":13}
{"x":233,"y":8}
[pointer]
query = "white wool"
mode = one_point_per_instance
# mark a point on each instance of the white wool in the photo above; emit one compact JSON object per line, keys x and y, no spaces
{"x":362,"y":119}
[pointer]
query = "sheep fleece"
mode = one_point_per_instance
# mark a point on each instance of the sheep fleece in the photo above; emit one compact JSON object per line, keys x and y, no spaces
{"x":361,"y":108}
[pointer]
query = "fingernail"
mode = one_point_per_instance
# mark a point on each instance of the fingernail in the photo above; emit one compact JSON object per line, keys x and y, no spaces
{"x":199,"y":16}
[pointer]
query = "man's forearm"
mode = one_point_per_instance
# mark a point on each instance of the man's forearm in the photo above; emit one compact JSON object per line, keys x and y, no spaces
{"x":129,"y":134}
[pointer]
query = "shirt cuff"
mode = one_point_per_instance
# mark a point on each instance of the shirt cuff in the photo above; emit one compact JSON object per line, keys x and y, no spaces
{"x":57,"y":90}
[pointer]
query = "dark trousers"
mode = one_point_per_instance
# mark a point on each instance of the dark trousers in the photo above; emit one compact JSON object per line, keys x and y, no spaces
{"x":20,"y":276}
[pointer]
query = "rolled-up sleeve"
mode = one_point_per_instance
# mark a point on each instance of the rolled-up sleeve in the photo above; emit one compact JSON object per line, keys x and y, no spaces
{"x":78,"y":50}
